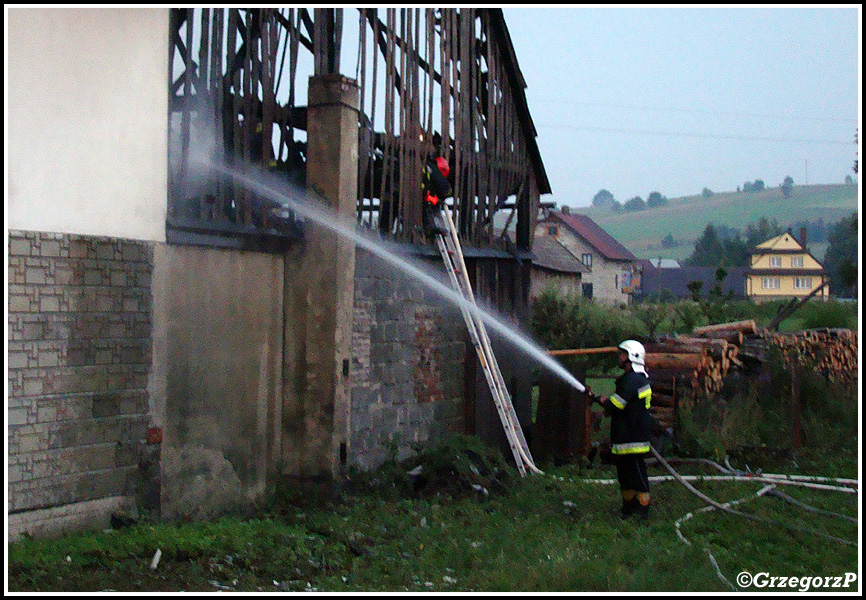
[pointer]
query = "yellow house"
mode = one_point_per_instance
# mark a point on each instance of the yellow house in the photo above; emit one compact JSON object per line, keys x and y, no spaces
{"x":782,"y":268}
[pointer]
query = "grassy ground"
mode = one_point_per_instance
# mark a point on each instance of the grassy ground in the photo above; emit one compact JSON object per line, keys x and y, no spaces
{"x":551,"y":532}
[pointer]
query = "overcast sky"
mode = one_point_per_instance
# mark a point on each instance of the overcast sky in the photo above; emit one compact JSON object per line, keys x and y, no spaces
{"x":671,"y":99}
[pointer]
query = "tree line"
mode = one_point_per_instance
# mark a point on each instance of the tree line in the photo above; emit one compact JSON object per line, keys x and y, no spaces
{"x":605,"y":199}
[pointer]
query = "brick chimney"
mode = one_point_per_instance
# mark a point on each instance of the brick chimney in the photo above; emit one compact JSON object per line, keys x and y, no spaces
{"x":803,"y":237}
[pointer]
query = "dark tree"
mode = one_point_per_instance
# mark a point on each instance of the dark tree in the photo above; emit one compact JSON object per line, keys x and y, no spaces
{"x":787,"y":186}
{"x":635,"y":204}
{"x":841,"y":258}
{"x":603,"y":199}
{"x":709,"y":251}
{"x":656,"y":199}
{"x":763,"y":231}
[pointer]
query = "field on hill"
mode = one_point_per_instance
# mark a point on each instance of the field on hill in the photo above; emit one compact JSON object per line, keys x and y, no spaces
{"x":685,"y":218}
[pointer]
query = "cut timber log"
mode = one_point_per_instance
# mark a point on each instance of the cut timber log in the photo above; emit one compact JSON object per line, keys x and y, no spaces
{"x":710,"y":344}
{"x":673,"y":347}
{"x":662,"y":411}
{"x":831,"y":352}
{"x":663,"y":386}
{"x":663,"y":416}
{"x":581,"y":351}
{"x":747,"y":327}
{"x":684,"y":377}
{"x":732,"y":336}
{"x":674,"y":361}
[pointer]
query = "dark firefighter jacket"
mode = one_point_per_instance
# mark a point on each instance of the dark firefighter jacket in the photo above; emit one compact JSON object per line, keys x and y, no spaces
{"x":436,"y":186}
{"x":629,"y":414}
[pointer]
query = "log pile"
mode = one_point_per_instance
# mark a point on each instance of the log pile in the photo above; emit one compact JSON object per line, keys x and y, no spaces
{"x":831,"y":352}
{"x":690,"y":367}
{"x":684,"y":368}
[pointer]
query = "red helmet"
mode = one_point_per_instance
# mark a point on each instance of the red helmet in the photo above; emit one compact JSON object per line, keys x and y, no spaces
{"x":443,"y":166}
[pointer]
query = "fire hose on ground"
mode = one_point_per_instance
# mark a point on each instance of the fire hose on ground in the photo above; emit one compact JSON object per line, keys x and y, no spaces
{"x":771,"y":481}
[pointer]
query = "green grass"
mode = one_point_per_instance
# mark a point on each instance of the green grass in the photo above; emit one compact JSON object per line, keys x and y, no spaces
{"x":551,"y":532}
{"x":685,"y":218}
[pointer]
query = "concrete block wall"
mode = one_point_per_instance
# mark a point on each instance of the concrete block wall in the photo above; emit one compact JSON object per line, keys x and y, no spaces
{"x":407,"y":366}
{"x":79,"y":355}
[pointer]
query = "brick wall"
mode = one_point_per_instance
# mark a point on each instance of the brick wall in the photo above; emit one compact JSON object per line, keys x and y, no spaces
{"x":79,"y":355}
{"x":407,"y":368}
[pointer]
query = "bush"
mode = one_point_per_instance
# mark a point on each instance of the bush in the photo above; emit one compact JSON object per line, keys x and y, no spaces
{"x":832,"y":314}
{"x":561,"y":323}
{"x":713,"y":429}
{"x":688,"y":316}
{"x":754,"y":420}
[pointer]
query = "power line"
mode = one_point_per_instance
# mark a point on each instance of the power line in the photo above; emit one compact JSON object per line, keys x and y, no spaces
{"x":695,"y":111}
{"x":694,"y":135}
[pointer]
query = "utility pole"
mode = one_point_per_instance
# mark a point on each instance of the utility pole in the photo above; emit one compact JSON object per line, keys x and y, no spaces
{"x":806,"y":182}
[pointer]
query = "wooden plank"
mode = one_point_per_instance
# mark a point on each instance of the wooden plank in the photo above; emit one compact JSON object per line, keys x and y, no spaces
{"x":747,"y":327}
{"x":675,"y":348}
{"x":582,"y":351}
{"x":675,"y":361}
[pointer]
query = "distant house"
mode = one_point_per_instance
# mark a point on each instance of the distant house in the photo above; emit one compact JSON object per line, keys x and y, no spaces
{"x":554,"y":266}
{"x":611,"y":267}
{"x":782,"y":267}
{"x":674,"y":283}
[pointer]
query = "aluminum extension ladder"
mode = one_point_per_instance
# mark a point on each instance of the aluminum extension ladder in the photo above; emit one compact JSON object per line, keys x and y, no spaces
{"x":452,"y":255}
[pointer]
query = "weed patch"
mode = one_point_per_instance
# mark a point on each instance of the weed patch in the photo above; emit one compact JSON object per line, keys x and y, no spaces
{"x":544,"y":533}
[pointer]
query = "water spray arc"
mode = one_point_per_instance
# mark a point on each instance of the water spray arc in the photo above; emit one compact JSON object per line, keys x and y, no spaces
{"x":301,"y":204}
{"x":461,"y":296}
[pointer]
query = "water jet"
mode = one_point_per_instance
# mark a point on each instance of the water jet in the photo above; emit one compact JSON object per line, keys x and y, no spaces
{"x":303,"y":204}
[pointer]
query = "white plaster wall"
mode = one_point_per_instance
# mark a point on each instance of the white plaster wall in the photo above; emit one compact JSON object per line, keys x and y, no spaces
{"x":87,"y":121}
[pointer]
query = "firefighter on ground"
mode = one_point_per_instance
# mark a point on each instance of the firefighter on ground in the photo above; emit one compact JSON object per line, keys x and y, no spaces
{"x":435,"y":188}
{"x":630,"y":426}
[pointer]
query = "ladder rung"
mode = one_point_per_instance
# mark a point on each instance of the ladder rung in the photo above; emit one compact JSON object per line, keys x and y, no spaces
{"x":449,"y":247}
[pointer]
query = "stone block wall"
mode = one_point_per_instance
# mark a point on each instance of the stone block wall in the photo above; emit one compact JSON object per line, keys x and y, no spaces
{"x":407,"y":367}
{"x":79,"y":355}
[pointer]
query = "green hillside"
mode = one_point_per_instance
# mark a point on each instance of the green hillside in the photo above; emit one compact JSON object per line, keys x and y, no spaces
{"x":685,"y":218}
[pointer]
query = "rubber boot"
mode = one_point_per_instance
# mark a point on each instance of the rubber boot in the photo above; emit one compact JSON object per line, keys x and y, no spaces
{"x":642,"y":505}
{"x":629,"y":504}
{"x":432,"y":220}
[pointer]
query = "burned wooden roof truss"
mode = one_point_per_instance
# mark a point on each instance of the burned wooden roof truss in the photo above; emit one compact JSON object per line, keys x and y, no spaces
{"x":432,"y":82}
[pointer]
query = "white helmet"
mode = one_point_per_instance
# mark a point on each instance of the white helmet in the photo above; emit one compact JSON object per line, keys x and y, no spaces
{"x":635,"y":351}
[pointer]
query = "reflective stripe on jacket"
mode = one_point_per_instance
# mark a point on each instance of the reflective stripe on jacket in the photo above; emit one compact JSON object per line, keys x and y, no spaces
{"x":630,"y":416}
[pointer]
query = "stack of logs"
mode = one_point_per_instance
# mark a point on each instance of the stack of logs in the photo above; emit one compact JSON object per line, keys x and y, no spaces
{"x":830,"y":352}
{"x":686,"y":368}
{"x":689,"y":367}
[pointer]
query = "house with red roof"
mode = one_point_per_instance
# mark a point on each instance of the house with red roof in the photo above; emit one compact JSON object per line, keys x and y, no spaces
{"x":555,"y":267}
{"x":612,"y":270}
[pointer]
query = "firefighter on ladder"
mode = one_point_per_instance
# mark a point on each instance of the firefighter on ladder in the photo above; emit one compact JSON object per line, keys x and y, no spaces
{"x":435,"y":188}
{"x":630,"y":425}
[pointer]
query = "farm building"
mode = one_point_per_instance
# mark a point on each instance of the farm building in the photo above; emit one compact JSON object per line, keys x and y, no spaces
{"x":611,"y":266}
{"x":177,"y":337}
